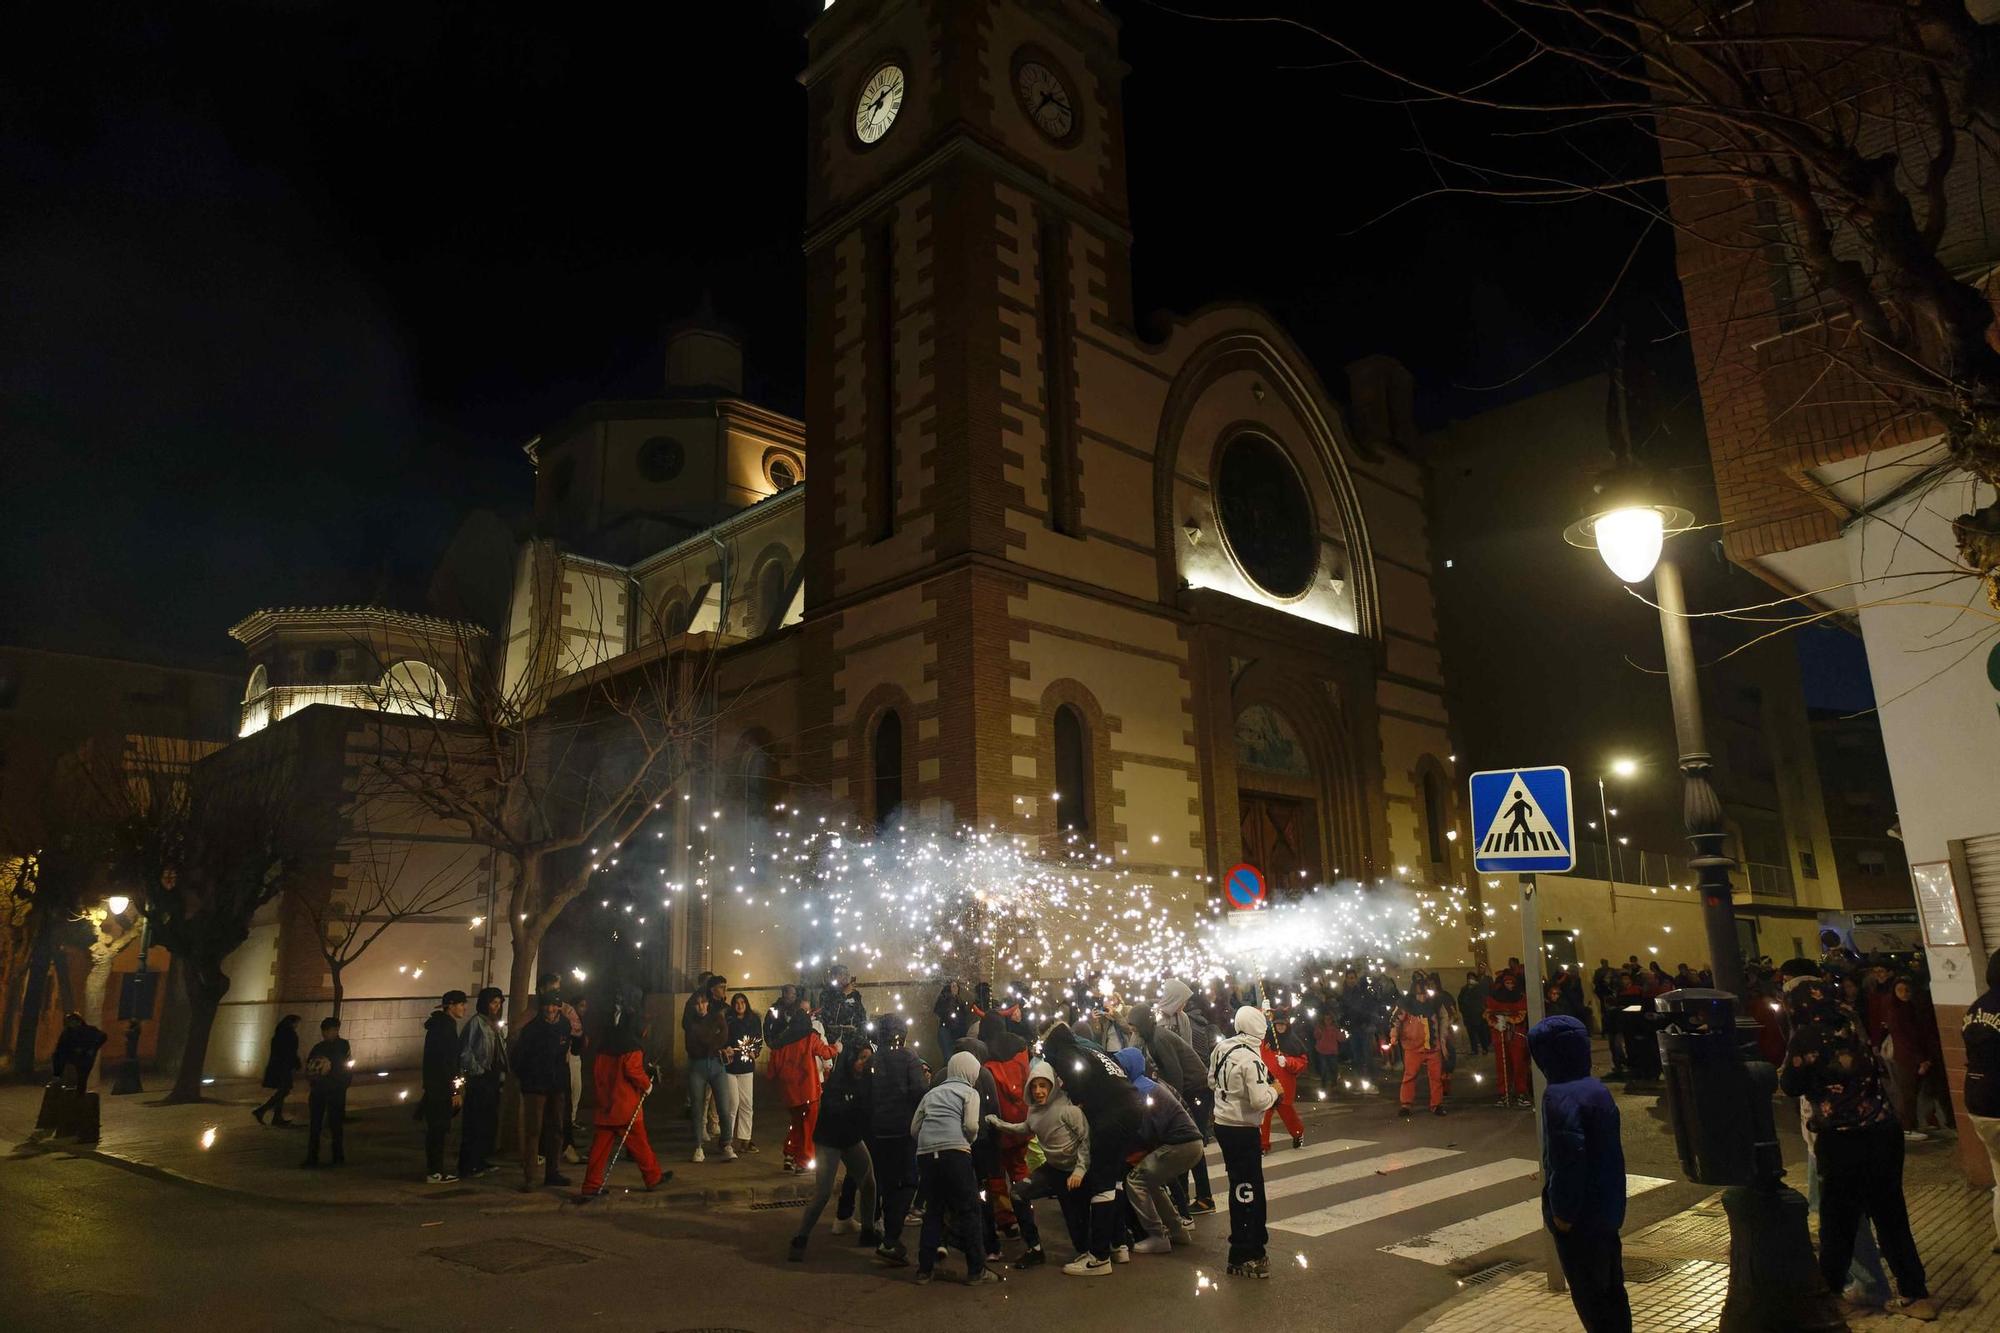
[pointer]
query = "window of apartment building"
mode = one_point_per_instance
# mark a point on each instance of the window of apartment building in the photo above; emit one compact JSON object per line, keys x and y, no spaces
{"x":1871,"y":862}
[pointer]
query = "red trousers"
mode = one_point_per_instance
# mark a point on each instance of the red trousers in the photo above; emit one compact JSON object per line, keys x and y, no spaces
{"x":636,"y":1148}
{"x":1290,"y":1114}
{"x":1431,"y":1061}
{"x":1510,"y":1061}
{"x":799,"y":1138}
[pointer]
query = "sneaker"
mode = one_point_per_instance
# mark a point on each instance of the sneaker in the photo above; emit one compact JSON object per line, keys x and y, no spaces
{"x":1201,"y":1207}
{"x":258,"y":1115}
{"x":1915,"y":1136}
{"x":698,"y":1157}
{"x":445,"y":1178}
{"x":546,"y":1180}
{"x":728,"y":1153}
{"x":745,"y":1145}
{"x":1251,"y":1268}
{"x":1504,"y":1101}
{"x":1086,"y":1266}
{"x":923,"y":1276}
{"x":984,"y":1277}
{"x":892,"y":1256}
{"x":665,"y":1176}
{"x":845,"y":1226}
{"x":1012,"y":1231}
{"x":1032,"y":1259}
{"x":1402,"y":1113}
{"x":1923,"y":1309}
{"x":1299,"y":1139}
{"x":1154,"y":1245}
{"x":1121,"y":1254}
{"x":569,"y":1156}
{"x":797,"y":1252}
{"x":1437,"y":1110}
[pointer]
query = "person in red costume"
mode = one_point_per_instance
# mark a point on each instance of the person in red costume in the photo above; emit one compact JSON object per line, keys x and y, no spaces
{"x":1507,"y":1015}
{"x":1419,"y":1026}
{"x":1009,"y":1066}
{"x":619,"y":1076}
{"x":796,"y":1050}
{"x":1284,"y":1054}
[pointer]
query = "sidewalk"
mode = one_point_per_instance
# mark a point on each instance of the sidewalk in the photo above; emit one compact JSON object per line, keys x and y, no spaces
{"x":385,"y":1150}
{"x":1677,"y":1270}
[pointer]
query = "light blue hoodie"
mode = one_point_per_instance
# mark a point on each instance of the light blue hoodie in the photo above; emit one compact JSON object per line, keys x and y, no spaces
{"x":947,"y":1119}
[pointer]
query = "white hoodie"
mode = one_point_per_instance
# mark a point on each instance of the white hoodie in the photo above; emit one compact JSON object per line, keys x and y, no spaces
{"x":1243,"y":1087}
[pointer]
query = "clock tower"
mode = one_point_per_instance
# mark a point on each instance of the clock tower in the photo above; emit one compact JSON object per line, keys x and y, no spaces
{"x":966,"y":220}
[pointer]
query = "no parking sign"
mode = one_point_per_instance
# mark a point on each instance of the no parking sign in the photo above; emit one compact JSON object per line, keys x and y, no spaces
{"x":1244,"y":885}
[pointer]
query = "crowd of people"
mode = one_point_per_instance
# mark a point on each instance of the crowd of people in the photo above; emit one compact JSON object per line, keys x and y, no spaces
{"x":1107,"y":1110}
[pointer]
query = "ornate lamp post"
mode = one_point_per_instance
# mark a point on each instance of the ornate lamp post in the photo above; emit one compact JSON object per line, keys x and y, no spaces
{"x":1718,"y":1095}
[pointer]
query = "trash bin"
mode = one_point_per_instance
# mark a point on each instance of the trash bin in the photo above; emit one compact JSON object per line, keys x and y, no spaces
{"x":1718,"y":1103}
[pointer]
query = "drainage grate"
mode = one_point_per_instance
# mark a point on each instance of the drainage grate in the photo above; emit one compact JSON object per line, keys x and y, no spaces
{"x":777,"y":1203}
{"x":516,"y":1256}
{"x":1643,"y":1271}
{"x":1491,"y":1273}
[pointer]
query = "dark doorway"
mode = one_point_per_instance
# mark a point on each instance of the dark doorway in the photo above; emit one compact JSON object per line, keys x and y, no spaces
{"x":1280,"y":840}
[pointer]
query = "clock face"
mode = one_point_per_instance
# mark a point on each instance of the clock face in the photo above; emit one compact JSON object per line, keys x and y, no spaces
{"x":1045,"y":99}
{"x":881,"y":98}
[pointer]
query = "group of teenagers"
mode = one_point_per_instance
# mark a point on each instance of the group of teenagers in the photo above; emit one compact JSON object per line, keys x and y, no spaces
{"x":1109,"y":1122}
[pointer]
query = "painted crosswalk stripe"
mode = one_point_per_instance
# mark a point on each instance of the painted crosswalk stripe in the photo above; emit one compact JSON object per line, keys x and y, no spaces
{"x":1305,"y":1154}
{"x":1307,"y":1181}
{"x":1462,"y":1240}
{"x":1370,"y":1207}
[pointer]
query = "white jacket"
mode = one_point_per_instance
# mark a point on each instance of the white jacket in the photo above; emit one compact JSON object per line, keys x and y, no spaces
{"x":1243,"y":1086}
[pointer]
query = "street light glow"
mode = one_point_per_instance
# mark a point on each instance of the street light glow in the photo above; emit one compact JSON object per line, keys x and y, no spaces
{"x":118,"y":902}
{"x":1625,"y":768}
{"x":1630,"y":540}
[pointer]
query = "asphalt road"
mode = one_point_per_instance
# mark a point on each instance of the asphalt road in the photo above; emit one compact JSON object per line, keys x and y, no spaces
{"x":85,"y":1240}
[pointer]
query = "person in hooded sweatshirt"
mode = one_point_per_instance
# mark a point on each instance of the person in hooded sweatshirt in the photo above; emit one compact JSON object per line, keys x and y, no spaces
{"x":985,"y":1144}
{"x":1186,"y":1072}
{"x":944,"y":1126}
{"x":840,"y":1138}
{"x":897,"y":1084}
{"x":1243,"y":1093}
{"x":1583,"y":1174}
{"x":1112,"y":1108}
{"x":1059,"y":1126}
{"x":442,"y":1068}
{"x":1172,"y":1144}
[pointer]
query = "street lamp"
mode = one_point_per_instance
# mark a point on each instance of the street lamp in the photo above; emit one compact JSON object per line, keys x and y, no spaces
{"x":1628,"y":527}
{"x":1720,"y":1101}
{"x":1620,"y":768}
{"x":117,"y":903}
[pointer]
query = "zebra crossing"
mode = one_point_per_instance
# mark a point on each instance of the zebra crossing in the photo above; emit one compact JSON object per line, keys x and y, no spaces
{"x":1321,"y":1199}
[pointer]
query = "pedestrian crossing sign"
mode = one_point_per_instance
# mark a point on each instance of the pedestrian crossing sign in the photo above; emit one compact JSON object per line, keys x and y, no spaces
{"x":1523,"y":820}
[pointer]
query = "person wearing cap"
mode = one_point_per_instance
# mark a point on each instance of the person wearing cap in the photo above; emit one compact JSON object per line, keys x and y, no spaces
{"x":441,"y":1081}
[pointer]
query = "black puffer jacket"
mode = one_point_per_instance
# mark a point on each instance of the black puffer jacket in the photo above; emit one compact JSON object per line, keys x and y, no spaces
{"x":1105,"y":1095}
{"x":897,"y":1084}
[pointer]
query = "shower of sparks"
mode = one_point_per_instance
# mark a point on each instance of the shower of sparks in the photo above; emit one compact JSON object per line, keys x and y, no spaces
{"x":917,"y":904}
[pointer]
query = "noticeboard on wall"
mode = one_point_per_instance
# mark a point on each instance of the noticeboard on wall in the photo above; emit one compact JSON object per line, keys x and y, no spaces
{"x":1937,"y":904}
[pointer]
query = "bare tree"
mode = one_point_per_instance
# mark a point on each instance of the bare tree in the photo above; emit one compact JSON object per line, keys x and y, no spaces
{"x":551,"y":758}
{"x":210,"y":841}
{"x":1843,"y":141}
{"x":43,"y":892}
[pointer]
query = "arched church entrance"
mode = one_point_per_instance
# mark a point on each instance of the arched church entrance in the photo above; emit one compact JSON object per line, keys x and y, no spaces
{"x":1277,"y":799}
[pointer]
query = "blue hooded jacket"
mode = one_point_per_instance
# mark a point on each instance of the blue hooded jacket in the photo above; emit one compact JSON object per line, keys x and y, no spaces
{"x":1163,"y":1119}
{"x":1583,"y":1161}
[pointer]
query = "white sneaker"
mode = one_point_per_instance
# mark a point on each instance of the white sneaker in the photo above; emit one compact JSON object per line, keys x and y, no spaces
{"x":1085,"y":1266}
{"x":1121,"y":1254}
{"x":1154,"y":1245}
{"x":569,"y":1155}
{"x":698,"y":1157}
{"x":728,"y":1153}
{"x":845,"y":1226}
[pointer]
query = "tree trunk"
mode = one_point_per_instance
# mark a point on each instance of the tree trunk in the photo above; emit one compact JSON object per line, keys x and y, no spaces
{"x":339,"y":989}
{"x":206,"y":985}
{"x":103,"y":953}
{"x":521,"y":970}
{"x":34,"y":994}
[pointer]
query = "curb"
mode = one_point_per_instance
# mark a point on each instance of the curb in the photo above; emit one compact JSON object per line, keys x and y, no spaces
{"x":540,"y":1200}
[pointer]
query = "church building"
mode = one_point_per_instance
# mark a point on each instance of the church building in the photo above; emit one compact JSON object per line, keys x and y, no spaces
{"x":1024,"y":565}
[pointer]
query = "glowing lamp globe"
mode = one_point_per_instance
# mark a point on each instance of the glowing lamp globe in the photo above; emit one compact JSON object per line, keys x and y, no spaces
{"x":1630,"y":522}
{"x":1629,"y":540}
{"x":118,"y":902}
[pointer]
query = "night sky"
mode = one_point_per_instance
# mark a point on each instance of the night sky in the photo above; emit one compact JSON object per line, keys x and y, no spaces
{"x":284,"y":286}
